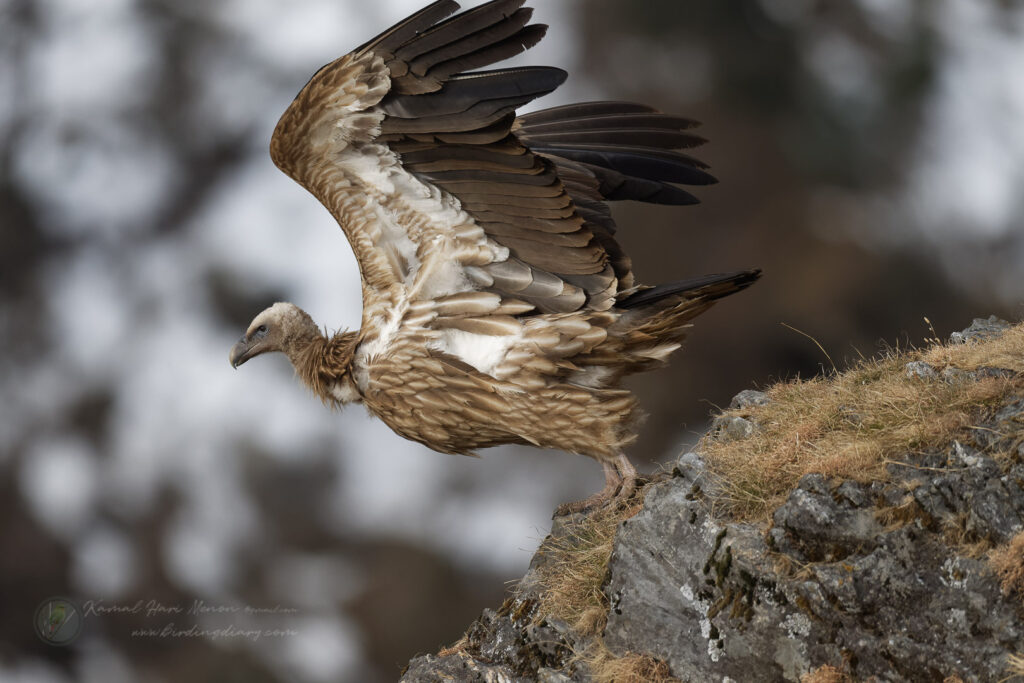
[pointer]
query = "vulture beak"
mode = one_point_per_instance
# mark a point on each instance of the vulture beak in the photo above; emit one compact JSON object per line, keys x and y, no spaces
{"x":240,"y":352}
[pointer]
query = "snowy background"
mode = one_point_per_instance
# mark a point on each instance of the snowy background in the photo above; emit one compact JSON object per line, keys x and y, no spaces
{"x":871,"y":159}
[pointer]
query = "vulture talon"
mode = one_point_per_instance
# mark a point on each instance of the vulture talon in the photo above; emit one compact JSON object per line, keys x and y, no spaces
{"x":620,"y":484}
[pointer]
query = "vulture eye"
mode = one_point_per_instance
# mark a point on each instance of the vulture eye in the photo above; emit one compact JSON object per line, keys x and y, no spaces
{"x":262,"y":329}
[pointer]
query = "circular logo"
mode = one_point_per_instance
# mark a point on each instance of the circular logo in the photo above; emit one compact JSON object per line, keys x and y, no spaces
{"x":57,"y":621}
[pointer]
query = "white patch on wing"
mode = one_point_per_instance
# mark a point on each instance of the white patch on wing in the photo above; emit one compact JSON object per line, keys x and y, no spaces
{"x":438,"y":230}
{"x":395,"y":240}
{"x":443,"y":274}
{"x":428,"y":235}
{"x":372,"y":166}
{"x":483,"y":351}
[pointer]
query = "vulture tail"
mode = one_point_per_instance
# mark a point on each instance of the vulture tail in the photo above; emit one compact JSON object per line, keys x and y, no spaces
{"x":655,"y":322}
{"x":706,"y":288}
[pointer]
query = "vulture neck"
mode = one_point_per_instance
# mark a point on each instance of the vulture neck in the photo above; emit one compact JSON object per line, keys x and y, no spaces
{"x":325,"y":366}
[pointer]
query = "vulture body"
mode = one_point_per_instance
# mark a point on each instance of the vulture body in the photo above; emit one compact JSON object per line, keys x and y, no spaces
{"x":497,"y":306}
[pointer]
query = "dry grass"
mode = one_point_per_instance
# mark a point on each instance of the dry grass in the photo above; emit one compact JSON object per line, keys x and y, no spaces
{"x":574,"y":569}
{"x":826,"y":674}
{"x":573,"y":572}
{"x":456,"y":648}
{"x":1008,"y":563}
{"x":1002,"y":352}
{"x":830,"y":674}
{"x":606,"y":667}
{"x":1014,"y":668}
{"x":851,"y":424}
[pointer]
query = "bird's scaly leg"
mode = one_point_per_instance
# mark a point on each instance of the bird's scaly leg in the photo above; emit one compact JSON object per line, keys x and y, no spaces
{"x":627,"y":478}
{"x":619,"y":486}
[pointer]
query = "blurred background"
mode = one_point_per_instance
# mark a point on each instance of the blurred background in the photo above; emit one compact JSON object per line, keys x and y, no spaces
{"x":871,"y":159}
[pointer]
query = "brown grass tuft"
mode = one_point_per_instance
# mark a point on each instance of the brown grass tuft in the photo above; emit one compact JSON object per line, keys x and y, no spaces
{"x":826,"y":674}
{"x":574,"y":569}
{"x":1008,"y":563}
{"x":1014,"y":667}
{"x":572,"y":573}
{"x":1001,"y":352}
{"x":606,"y":667}
{"x":458,"y":647}
{"x":851,"y":424}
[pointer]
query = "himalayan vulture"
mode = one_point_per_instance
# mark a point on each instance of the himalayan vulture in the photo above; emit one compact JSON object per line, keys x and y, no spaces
{"x":497,"y":306}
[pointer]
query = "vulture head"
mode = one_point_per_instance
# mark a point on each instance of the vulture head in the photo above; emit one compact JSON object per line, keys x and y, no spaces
{"x":282,"y":327}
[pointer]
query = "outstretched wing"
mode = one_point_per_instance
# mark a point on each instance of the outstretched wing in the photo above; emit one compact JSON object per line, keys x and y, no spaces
{"x":442,"y":191}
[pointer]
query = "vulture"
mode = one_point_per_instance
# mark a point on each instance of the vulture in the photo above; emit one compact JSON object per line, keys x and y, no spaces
{"x":497,"y":305}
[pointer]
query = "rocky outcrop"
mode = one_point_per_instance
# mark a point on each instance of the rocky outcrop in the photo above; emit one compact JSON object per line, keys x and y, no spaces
{"x":828,"y":584}
{"x":880,"y":580}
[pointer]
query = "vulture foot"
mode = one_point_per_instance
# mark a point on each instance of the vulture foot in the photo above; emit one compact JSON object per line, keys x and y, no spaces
{"x":619,"y":486}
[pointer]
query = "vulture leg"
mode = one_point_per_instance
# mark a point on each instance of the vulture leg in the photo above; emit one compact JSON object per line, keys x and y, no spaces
{"x":619,"y":486}
{"x":627,"y":478}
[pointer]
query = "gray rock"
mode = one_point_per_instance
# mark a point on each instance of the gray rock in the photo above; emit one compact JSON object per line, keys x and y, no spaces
{"x":956,"y":375}
{"x":731,"y":428}
{"x":690,"y":467}
{"x":749,"y":398}
{"x":434,"y":668}
{"x":920,"y":369}
{"x":1003,"y":434}
{"x":545,"y":675}
{"x":891,"y":598}
{"x":673,"y":561}
{"x":983,"y":372}
{"x":980,"y":328}
{"x":506,"y":646}
{"x":975,"y":496}
{"x":853,"y":493}
{"x":820,"y":528}
{"x":1011,"y":412}
{"x":711,"y":599}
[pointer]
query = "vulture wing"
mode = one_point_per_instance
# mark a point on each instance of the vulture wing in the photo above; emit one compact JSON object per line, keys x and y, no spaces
{"x":442,"y":190}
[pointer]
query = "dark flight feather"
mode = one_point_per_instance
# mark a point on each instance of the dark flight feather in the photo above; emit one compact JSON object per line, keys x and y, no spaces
{"x":506,"y":49}
{"x":394,"y":37}
{"x":637,"y":162}
{"x":459,"y":132}
{"x":457,"y":30}
{"x":466,"y":91}
{"x":708,"y":287}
